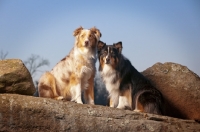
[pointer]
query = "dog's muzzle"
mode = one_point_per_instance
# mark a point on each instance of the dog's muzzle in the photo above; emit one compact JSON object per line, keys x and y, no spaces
{"x":107,"y":60}
{"x":86,"y":43}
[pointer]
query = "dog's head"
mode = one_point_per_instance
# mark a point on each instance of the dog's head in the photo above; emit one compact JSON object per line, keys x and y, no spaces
{"x":87,"y":39}
{"x":109,"y":54}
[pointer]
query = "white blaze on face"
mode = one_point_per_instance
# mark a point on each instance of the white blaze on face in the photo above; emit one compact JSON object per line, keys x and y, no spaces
{"x":82,"y":41}
{"x":86,"y":33}
{"x":108,"y":53}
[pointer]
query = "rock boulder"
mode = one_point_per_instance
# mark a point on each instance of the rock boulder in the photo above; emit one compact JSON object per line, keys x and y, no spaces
{"x":15,"y":78}
{"x":180,"y":88}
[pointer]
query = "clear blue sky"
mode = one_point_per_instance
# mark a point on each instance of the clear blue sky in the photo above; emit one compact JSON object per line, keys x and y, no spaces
{"x":151,"y":31}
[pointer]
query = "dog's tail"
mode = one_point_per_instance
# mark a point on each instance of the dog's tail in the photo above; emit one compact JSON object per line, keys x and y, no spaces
{"x":148,"y":101}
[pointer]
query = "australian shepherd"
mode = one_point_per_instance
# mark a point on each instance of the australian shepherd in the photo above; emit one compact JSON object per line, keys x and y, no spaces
{"x":127,"y":88}
{"x":74,"y":74}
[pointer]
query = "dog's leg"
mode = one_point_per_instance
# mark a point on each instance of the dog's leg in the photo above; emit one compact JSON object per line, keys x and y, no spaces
{"x":89,"y":92}
{"x":125,"y":100}
{"x":138,"y":105}
{"x":122,"y":102}
{"x":111,"y":103}
{"x":75,"y":88}
{"x":78,"y":94}
{"x":47,"y":86}
{"x":114,"y":98}
{"x":59,"y":98}
{"x":149,"y":101}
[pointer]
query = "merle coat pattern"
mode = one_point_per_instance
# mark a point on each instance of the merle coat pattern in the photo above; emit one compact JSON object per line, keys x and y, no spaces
{"x":74,"y":74}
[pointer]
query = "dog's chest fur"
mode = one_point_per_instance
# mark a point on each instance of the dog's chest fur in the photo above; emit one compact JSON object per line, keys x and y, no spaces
{"x":112,"y":82}
{"x":84,"y":66}
{"x":75,"y":66}
{"x":110,"y":78}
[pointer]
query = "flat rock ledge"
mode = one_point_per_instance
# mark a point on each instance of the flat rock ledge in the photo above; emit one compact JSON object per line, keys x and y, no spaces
{"x":27,"y":113}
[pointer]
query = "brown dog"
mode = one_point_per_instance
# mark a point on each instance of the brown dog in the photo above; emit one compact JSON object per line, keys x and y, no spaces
{"x":74,"y":73}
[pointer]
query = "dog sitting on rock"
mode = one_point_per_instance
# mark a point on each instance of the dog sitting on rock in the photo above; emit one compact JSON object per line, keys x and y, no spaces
{"x":127,"y":88}
{"x":74,"y":74}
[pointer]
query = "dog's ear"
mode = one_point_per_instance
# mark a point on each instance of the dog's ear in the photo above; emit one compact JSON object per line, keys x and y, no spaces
{"x":118,"y":46}
{"x":77,"y":31}
{"x":96,"y":32}
{"x":100,"y":45}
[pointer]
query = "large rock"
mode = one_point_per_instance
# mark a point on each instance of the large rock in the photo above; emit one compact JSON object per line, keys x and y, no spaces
{"x":180,"y":88}
{"x":26,"y":113}
{"x":15,"y":78}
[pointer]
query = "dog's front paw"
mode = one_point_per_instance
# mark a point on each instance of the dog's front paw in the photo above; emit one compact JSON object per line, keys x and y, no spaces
{"x":91,"y":102}
{"x":84,"y":69}
{"x":59,"y":98}
{"x":120,"y":107}
{"x":79,"y":102}
{"x":136,"y":110}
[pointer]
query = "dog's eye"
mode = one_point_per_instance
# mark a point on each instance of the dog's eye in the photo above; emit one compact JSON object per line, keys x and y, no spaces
{"x":113,"y":54}
{"x":82,"y":36}
{"x":105,"y":52}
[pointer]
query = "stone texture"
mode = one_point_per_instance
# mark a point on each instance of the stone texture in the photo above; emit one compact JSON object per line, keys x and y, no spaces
{"x":180,"y":88}
{"x":25,"y":113}
{"x":15,"y":78}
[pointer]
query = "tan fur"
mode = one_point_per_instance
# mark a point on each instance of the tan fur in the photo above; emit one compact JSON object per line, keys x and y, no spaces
{"x":127,"y":94}
{"x":110,"y":103}
{"x":89,"y":90}
{"x":75,"y":73}
{"x":138,"y":105}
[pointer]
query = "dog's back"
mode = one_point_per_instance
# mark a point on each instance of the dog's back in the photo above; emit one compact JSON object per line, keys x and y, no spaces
{"x":145,"y":97}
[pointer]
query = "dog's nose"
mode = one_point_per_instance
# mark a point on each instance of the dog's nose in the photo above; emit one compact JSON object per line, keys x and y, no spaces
{"x":107,"y":60}
{"x":86,"y":43}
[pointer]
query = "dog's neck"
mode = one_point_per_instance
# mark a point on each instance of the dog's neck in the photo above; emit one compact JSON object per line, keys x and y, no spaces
{"x":88,"y":55}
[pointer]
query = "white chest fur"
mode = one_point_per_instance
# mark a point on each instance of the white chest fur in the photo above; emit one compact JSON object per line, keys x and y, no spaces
{"x":112,"y":83}
{"x":109,"y":75}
